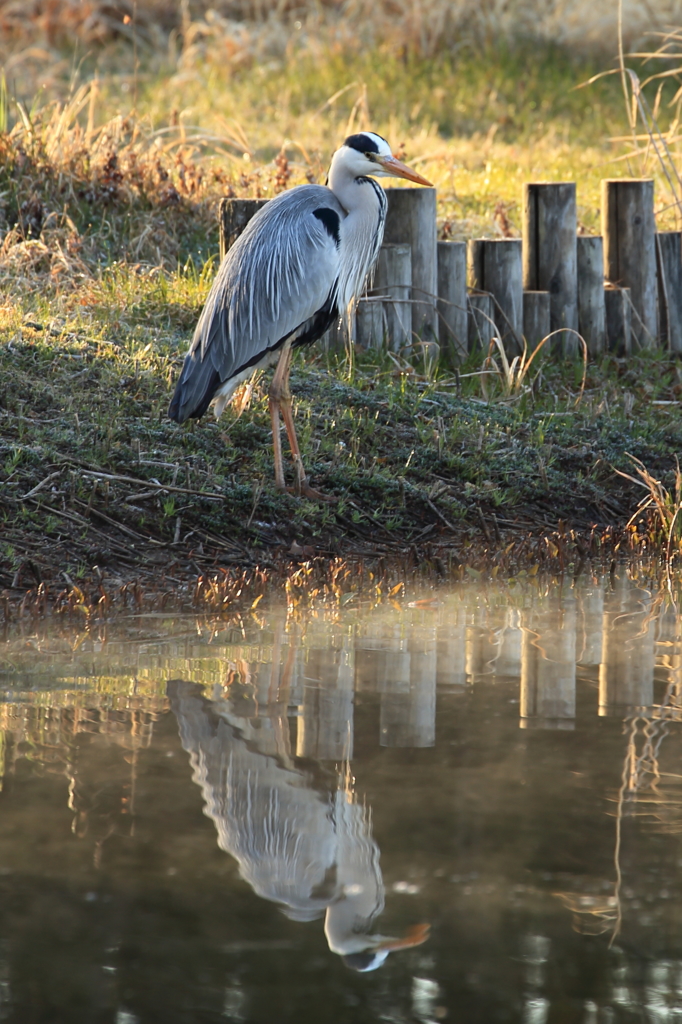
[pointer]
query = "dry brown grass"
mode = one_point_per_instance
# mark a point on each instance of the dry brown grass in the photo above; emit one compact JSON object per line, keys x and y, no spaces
{"x":77,"y":197}
{"x":422,"y":26}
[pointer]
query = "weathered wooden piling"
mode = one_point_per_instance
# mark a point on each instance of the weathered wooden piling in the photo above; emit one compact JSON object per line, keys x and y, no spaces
{"x":233,"y":216}
{"x":550,"y":254}
{"x":411,"y":218}
{"x":629,"y":231}
{"x":393,"y":279}
{"x":336,"y":339}
{"x":618,"y":312}
{"x":591,"y":310}
{"x":481,"y":326}
{"x":452,"y":299}
{"x":669,"y":262}
{"x":536,"y":317}
{"x":369,"y":323}
{"x":495,"y":266}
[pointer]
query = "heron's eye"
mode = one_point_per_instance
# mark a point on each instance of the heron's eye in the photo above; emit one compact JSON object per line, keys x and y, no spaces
{"x":371,"y":156}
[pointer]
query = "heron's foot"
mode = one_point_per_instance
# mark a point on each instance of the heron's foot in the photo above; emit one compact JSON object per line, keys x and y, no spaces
{"x":306,"y":491}
{"x":302,"y":489}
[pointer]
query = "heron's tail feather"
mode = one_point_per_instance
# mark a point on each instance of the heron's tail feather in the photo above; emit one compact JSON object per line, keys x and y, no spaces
{"x":196,"y":388}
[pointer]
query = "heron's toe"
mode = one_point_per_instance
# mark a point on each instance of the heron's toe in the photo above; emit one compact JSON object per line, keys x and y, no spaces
{"x":304,"y":490}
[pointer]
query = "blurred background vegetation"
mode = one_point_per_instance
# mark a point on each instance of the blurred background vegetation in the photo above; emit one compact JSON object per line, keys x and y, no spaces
{"x":110,"y":106}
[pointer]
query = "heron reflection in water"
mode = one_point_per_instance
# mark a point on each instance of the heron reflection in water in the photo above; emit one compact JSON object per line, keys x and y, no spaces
{"x":298,"y":835}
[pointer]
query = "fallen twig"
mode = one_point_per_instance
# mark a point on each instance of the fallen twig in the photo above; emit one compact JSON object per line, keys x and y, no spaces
{"x":43,"y":483}
{"x":150,"y":483}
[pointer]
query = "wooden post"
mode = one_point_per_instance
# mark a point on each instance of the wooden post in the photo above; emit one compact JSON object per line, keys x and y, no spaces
{"x":481,"y":326}
{"x":618,"y":310}
{"x":629,"y":232}
{"x":411,"y":217}
{"x":336,"y":338}
{"x":550,"y":254}
{"x":393,"y":280}
{"x":591,"y":311}
{"x":536,"y":318}
{"x":369,"y":323}
{"x":452,"y":299}
{"x":669,"y":261}
{"x":233,"y":216}
{"x":495,"y":266}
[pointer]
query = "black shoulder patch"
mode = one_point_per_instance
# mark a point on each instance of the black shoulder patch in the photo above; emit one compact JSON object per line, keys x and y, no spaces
{"x":330,"y":219}
{"x":363,"y":143}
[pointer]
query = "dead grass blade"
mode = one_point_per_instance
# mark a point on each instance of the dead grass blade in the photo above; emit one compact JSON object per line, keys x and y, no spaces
{"x":667,"y":505}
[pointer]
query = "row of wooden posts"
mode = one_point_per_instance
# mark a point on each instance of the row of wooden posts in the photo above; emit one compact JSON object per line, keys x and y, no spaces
{"x":618,"y":291}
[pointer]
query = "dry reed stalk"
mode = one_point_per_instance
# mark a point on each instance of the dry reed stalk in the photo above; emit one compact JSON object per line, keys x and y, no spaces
{"x":667,"y":506}
{"x":512,"y":375}
{"x":61,"y":183}
{"x":652,"y":143}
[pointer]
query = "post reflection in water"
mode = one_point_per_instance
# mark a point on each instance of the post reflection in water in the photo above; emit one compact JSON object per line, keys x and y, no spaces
{"x":590,"y":612}
{"x":626,"y":672}
{"x":299,"y":836}
{"x":548,"y":664}
{"x":325,"y":724}
{"x":451,"y":653}
{"x":483,"y":642}
{"x":408,"y":693}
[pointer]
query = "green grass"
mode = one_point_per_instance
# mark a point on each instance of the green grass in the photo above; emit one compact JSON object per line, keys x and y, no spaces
{"x":86,"y":393}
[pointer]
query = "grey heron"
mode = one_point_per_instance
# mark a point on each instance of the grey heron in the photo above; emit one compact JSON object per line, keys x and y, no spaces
{"x":299,"y":836}
{"x":298,"y":266}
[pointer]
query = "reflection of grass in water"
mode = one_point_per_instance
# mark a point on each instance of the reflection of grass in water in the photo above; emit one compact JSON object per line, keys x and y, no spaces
{"x":641,"y":793}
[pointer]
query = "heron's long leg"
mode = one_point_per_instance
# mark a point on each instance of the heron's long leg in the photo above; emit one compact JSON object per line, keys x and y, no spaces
{"x":275,"y":396}
{"x":302,"y":485}
{"x":288,"y":417}
{"x":280,"y":401}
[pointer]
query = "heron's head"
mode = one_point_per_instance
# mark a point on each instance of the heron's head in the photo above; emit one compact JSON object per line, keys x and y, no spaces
{"x":367,"y":154}
{"x":377,"y":947}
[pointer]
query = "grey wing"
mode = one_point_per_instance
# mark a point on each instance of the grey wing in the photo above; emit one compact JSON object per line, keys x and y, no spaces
{"x":282,"y":270}
{"x":268,"y":815}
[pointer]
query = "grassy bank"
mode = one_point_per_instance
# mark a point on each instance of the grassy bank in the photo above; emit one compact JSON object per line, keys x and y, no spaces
{"x":452,"y":470}
{"x":109,"y":182}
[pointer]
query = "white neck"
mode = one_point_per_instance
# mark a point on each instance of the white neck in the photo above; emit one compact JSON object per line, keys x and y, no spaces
{"x":343,"y":181}
{"x":362,"y":231}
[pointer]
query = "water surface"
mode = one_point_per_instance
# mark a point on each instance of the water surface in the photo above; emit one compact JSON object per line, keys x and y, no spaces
{"x":468,"y":809}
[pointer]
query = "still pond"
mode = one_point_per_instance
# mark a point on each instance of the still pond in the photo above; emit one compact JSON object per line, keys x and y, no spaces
{"x":463,"y":809}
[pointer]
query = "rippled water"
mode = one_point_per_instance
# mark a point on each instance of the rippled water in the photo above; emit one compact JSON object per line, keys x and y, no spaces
{"x":465,"y":810}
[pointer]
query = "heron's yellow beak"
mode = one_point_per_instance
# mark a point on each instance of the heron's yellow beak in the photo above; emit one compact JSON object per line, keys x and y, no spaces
{"x":417,"y":934}
{"x":398,"y":170}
